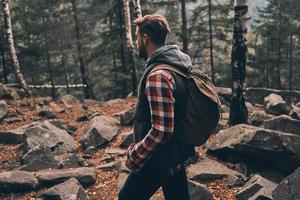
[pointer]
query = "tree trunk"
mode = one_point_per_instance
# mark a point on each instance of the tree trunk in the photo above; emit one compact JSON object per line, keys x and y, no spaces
{"x":48,"y":57}
{"x":64,"y":55}
{"x":238,"y":109}
{"x":211,"y":43}
{"x":2,"y":39}
{"x":184,"y":28}
{"x":84,"y":77}
{"x":278,"y":77}
{"x":129,"y":43}
{"x":137,"y":8}
{"x":291,"y":63}
{"x":121,"y":23}
{"x":12,"y":50}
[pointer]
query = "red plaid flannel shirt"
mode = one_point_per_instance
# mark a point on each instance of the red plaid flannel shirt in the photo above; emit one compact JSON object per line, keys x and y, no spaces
{"x":160,"y":87}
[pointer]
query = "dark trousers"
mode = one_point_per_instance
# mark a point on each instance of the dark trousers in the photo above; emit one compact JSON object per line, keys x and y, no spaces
{"x":143,"y":185}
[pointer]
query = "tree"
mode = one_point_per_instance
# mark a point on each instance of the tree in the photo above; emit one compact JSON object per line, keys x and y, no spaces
{"x":211,"y":43}
{"x":184,"y":34}
{"x":84,"y":76}
{"x":137,"y":8}
{"x":12,"y":50}
{"x":238,"y":109}
{"x":129,"y":43}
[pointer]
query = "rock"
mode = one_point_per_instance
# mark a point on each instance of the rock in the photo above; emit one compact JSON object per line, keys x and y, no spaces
{"x":3,"y":109}
{"x":256,"y":95}
{"x":295,"y":112}
{"x":17,"y":181}
{"x":257,"y":188}
{"x":257,"y":145}
{"x":47,"y":135}
{"x":108,"y":166}
{"x":250,"y":107}
{"x":115,"y":151}
{"x":49,"y":114}
{"x":207,"y":170}
{"x":8,"y":93}
{"x":127,"y":139}
{"x":35,"y":152}
{"x":126,"y":118}
{"x":71,"y":129}
{"x":276,"y":105}
{"x":258,"y":116}
{"x":82,"y":118}
{"x":44,"y":161}
{"x":69,"y":100}
{"x":69,"y":160}
{"x":99,"y":131}
{"x":198,"y":191}
{"x":68,"y":190}
{"x":12,"y":120}
{"x":283,"y":123}
{"x":224,"y":93}
{"x":86,"y":176}
{"x":225,"y":109}
{"x":11,"y":136}
{"x":288,"y":189}
{"x":224,"y":102}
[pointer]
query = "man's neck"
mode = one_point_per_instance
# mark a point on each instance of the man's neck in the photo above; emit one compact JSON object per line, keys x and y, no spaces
{"x":151,"y":49}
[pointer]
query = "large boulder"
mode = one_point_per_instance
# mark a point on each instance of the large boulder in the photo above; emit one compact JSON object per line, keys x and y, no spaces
{"x":11,"y":136}
{"x":295,"y":112}
{"x":44,"y":161}
{"x":288,"y":189}
{"x":258,"y":117}
{"x":259,"y":146}
{"x":257,"y":188}
{"x":126,"y":118}
{"x":47,"y":135}
{"x":276,"y":105}
{"x":8,"y":93}
{"x":69,"y":100}
{"x":207,"y":170}
{"x":199,"y":191}
{"x":3,"y":109}
{"x":283,"y":123}
{"x":85,"y":175}
{"x":17,"y":181}
{"x":127,"y":139}
{"x":99,"y":131}
{"x":256,"y":95}
{"x":225,"y":93}
{"x":68,"y":190}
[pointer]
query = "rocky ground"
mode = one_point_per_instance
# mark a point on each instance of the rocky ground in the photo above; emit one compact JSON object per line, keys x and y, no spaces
{"x":84,"y":143}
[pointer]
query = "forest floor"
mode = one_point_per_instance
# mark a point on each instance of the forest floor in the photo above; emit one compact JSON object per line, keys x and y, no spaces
{"x":105,"y":187}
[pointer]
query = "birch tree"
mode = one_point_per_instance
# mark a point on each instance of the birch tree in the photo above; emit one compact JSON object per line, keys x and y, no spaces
{"x":238,"y":109}
{"x":137,"y":8}
{"x":129,"y":43}
{"x":12,"y":49}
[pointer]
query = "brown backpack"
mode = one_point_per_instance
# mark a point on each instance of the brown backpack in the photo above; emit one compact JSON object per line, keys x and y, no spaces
{"x":202,"y":109}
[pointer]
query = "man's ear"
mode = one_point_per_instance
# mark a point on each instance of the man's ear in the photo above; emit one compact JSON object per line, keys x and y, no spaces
{"x":145,"y":38}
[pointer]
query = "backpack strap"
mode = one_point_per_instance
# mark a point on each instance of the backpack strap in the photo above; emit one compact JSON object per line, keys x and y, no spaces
{"x":168,"y":67}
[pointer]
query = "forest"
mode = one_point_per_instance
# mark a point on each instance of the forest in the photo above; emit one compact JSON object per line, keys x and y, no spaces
{"x":84,"y":42}
{"x":69,"y":79}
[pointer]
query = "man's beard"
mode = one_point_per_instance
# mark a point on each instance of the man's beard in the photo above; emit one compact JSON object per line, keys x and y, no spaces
{"x":143,"y":52}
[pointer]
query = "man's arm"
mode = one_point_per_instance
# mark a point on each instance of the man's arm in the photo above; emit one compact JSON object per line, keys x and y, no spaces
{"x":160,"y":94}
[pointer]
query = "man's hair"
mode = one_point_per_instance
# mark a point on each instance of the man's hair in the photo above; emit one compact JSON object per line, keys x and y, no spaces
{"x":155,"y":26}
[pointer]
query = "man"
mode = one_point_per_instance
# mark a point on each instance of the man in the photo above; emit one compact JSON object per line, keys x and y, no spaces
{"x":157,"y":157}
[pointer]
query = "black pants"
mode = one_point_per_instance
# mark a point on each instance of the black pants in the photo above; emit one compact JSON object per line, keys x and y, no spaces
{"x":143,"y":185}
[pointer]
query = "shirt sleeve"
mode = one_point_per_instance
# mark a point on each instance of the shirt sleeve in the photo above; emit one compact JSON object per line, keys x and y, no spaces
{"x":160,"y":94}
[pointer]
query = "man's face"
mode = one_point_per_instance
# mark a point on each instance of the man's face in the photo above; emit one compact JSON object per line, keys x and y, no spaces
{"x":141,"y":45}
